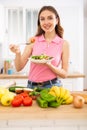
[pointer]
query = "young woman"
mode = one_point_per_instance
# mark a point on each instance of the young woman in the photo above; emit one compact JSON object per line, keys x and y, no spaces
{"x":49,"y":41}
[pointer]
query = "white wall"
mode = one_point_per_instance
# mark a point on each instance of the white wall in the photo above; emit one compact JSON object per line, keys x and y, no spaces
{"x":1,"y":23}
{"x":85,"y":44}
{"x":85,"y":52}
{"x":40,"y":3}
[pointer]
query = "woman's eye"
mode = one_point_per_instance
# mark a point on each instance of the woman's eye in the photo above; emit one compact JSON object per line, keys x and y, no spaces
{"x":41,"y":19}
{"x":50,"y":18}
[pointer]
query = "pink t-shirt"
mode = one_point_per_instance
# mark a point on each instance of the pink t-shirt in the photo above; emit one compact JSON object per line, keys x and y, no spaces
{"x":40,"y":72}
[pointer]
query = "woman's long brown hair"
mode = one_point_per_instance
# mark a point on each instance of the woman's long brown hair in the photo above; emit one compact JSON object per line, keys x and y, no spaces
{"x":58,"y":28}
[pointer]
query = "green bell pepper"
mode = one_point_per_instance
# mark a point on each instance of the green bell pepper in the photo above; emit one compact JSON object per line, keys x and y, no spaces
{"x":42,"y":103}
{"x":46,"y":96}
{"x":53,"y":104}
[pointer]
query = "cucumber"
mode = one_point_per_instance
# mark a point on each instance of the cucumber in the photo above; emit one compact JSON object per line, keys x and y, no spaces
{"x":13,"y":88}
{"x":38,"y":89}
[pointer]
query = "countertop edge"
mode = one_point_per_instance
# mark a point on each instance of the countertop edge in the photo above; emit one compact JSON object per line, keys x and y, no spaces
{"x":22,"y":76}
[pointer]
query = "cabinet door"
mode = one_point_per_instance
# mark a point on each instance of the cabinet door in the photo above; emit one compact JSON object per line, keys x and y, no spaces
{"x":3,"y":82}
{"x":73,"y":84}
{"x":20,"y":82}
{"x":68,"y":84}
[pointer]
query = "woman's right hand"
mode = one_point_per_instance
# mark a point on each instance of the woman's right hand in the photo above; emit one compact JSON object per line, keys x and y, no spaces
{"x":14,"y":48}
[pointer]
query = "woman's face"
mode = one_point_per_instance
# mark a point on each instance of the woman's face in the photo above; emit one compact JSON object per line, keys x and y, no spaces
{"x":48,"y":21}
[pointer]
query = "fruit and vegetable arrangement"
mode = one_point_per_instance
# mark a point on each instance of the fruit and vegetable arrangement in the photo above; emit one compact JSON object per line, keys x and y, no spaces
{"x":55,"y":96}
{"x":9,"y":97}
{"x":6,"y":96}
{"x":78,"y":101}
{"x":22,"y":99}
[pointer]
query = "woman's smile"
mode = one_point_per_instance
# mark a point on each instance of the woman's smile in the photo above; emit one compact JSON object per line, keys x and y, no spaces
{"x":47,"y":26}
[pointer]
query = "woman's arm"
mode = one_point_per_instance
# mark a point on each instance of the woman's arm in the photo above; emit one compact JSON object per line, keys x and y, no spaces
{"x":62,"y":72}
{"x":21,"y":59}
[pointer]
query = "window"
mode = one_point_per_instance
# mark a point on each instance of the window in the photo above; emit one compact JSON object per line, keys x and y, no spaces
{"x":20,"y":24}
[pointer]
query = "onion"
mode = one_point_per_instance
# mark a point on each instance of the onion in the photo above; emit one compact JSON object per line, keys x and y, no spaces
{"x":78,"y":101}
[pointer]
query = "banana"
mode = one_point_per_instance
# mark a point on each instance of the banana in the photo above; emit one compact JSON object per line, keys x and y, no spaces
{"x":66,"y":95}
{"x":52,"y":93}
{"x":69,"y":100}
{"x":56,"y":90}
{"x":62,"y":92}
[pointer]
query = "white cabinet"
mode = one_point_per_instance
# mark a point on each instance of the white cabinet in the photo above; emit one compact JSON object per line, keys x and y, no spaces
{"x":67,"y":83}
{"x":72,"y":84}
{"x":19,"y":82}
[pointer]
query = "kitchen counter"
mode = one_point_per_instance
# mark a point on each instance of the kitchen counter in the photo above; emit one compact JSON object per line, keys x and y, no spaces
{"x":22,"y":76}
{"x":65,"y":117}
{"x":35,"y":112}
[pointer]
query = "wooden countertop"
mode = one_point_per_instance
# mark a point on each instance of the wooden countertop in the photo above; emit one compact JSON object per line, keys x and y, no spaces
{"x":18,"y":76}
{"x":35,"y":112}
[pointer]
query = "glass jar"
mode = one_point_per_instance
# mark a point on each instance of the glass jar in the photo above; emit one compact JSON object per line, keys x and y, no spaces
{"x":8,"y":67}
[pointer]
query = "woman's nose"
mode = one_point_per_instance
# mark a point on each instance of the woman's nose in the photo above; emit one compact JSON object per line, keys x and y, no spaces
{"x":46,"y":21}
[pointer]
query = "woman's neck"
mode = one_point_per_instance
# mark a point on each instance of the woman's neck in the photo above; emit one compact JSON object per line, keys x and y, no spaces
{"x":49,"y":36}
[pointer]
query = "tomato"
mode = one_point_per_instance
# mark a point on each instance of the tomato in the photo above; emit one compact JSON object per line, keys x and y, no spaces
{"x":17,"y":101}
{"x":18,"y":96}
{"x":24,"y":94}
{"x":27,"y":101}
{"x":22,"y":99}
{"x":32,"y":40}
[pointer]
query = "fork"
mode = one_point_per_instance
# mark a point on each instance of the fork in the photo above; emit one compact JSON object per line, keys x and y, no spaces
{"x":25,"y":43}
